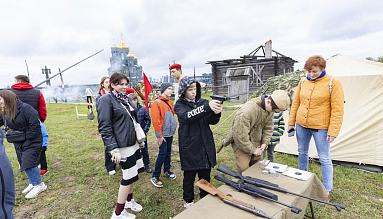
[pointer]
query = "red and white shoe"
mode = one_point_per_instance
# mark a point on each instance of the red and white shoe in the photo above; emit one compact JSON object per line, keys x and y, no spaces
{"x":43,"y":172}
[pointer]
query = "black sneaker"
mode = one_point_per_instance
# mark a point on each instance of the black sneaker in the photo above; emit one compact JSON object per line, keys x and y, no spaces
{"x":148,"y":169}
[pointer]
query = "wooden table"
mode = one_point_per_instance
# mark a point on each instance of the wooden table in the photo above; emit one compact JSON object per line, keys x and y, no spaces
{"x":212,"y":207}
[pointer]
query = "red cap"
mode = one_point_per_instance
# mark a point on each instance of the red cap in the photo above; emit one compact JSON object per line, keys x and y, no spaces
{"x":175,"y":66}
{"x":129,"y":90}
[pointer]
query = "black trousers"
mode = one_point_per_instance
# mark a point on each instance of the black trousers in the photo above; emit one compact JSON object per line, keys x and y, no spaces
{"x":109,"y":165}
{"x":89,"y":99}
{"x":43,"y":159}
{"x":188,"y":183}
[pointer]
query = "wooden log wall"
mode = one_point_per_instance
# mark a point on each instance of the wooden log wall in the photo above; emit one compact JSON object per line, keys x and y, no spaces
{"x":272,"y":67}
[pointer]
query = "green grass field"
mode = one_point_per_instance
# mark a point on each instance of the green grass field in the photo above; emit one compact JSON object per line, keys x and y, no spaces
{"x":80,"y":187}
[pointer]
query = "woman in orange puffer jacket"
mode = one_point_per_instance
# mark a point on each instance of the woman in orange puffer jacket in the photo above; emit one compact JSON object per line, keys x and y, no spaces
{"x":317,"y":112}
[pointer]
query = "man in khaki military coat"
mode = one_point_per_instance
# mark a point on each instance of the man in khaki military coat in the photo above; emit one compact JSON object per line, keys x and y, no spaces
{"x":253,"y":127}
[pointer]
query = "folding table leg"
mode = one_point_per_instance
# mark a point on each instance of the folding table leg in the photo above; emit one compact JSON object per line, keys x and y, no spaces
{"x":312,"y":212}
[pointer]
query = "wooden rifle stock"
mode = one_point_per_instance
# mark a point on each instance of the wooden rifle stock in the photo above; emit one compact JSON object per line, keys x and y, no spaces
{"x":204,"y":185}
{"x":139,"y":93}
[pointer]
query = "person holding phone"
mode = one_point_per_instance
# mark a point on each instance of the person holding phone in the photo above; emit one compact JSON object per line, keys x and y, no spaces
{"x":317,"y":111}
{"x":116,"y":127}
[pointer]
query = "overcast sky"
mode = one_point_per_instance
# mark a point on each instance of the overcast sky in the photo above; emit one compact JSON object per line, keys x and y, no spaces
{"x":58,"y":34}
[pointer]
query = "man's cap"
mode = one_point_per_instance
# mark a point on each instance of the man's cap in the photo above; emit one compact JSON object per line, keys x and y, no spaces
{"x":129,"y":90}
{"x":281,"y":99}
{"x":141,"y":81}
{"x":175,"y":66}
{"x":165,"y":86}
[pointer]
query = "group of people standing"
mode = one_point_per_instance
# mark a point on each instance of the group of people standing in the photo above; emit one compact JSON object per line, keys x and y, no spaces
{"x":316,"y":111}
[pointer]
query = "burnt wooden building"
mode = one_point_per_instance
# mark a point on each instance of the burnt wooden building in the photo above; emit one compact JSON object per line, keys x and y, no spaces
{"x":245,"y":75}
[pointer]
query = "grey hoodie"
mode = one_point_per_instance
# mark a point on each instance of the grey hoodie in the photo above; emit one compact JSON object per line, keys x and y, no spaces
{"x":7,"y":183}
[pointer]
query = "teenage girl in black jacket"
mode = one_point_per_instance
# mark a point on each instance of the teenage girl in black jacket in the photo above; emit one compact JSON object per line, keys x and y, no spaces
{"x":117,"y":131}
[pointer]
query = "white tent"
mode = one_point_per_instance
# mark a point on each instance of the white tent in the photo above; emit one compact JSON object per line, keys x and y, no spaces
{"x":361,"y":137}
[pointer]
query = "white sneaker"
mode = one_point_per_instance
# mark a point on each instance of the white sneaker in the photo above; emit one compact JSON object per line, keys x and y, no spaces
{"x":133,"y":205}
{"x":39,"y":166}
{"x":36,"y":190}
{"x":124,"y":215}
{"x":112,"y":172}
{"x":29,"y":188}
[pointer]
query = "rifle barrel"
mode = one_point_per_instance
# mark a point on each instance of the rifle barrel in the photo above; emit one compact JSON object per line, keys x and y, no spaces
{"x":253,"y":191}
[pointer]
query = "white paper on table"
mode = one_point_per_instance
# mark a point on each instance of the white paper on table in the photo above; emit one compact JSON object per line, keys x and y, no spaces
{"x":276,"y":166}
{"x":297,"y":174}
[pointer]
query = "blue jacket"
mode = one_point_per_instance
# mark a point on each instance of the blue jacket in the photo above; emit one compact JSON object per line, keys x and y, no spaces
{"x":44,"y":132}
{"x":143,"y":118}
{"x":279,"y":128}
{"x":7,"y":182}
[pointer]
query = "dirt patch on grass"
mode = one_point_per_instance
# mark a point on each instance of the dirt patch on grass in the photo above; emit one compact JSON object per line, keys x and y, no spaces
{"x":176,"y":171}
{"x":68,"y":178}
{"x":175,"y":148}
{"x":41,"y":212}
{"x":96,"y":156}
{"x":23,"y":211}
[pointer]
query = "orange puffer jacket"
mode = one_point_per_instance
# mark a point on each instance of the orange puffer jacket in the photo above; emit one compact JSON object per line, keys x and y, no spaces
{"x":313,"y":106}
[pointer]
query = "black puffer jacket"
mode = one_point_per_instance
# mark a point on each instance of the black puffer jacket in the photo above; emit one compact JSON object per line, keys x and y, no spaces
{"x":27,"y":120}
{"x":114,"y":123}
{"x":196,"y":142}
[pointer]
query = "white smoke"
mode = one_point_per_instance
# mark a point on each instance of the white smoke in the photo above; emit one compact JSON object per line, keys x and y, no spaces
{"x":72,"y":93}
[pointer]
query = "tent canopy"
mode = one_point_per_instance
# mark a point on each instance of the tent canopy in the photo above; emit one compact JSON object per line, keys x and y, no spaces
{"x":361,"y":137}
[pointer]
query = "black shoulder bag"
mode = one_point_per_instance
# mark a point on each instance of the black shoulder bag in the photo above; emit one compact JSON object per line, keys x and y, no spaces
{"x":13,"y":136}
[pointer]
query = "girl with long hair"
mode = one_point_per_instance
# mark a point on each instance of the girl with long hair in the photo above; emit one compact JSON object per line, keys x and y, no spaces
{"x":19,"y":116}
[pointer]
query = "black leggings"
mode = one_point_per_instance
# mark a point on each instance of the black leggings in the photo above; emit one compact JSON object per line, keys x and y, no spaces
{"x":188,"y":183}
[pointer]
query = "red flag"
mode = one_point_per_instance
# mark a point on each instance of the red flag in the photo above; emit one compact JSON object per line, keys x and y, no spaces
{"x":148,"y":90}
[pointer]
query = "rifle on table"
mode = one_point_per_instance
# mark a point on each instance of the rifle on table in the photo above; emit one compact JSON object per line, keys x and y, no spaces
{"x":254,"y":191}
{"x":205,"y":185}
{"x":256,"y":182}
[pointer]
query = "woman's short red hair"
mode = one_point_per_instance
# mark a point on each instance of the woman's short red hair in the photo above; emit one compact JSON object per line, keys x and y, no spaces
{"x":315,"y":61}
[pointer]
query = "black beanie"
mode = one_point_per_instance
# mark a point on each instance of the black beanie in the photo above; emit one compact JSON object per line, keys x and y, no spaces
{"x":165,"y":86}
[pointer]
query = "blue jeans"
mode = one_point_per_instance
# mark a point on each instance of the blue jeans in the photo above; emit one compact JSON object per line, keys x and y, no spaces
{"x":11,"y":216}
{"x":33,"y":176}
{"x":164,"y":158}
{"x":323,"y":149}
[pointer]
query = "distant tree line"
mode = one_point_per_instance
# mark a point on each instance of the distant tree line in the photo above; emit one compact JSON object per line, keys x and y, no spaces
{"x":380,"y":59}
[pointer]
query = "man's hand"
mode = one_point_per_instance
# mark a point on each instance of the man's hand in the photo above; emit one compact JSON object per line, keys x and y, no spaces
{"x":215,"y":106}
{"x":160,"y":140}
{"x":219,"y":148}
{"x":330,"y":139}
{"x":259,"y":150}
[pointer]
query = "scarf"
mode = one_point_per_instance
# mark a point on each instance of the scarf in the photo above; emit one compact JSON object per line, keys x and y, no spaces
{"x":320,"y":76}
{"x":123,"y":97}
